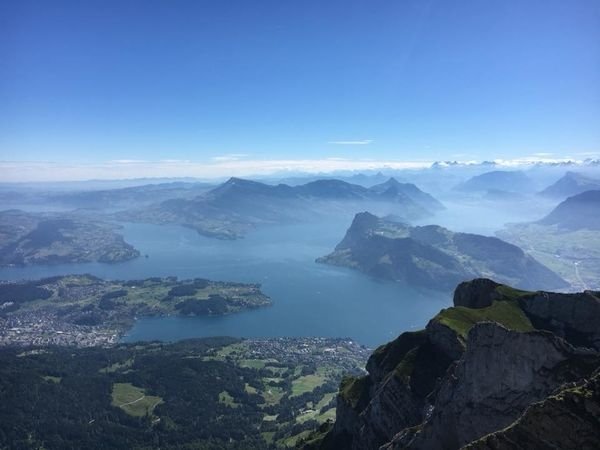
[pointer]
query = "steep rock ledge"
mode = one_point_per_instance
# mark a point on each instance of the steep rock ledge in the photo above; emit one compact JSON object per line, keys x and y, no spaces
{"x":402,"y":374}
{"x":500,"y":374}
{"x":568,"y":419}
{"x":477,"y":368}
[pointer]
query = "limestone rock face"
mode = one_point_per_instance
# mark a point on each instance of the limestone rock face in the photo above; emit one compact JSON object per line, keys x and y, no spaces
{"x":445,"y":339}
{"x":478,"y":293}
{"x":569,"y":419}
{"x":394,"y":396}
{"x":347,"y":422}
{"x":394,"y":406}
{"x":575,"y":317}
{"x":500,"y":374}
{"x":467,"y":380}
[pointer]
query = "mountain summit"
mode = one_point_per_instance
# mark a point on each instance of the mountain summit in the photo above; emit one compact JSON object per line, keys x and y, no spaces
{"x":498,"y":180}
{"x":582,"y":211}
{"x":393,"y":187}
{"x":572,"y":183}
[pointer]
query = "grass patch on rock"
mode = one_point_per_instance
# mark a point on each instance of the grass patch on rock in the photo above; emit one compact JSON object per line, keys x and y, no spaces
{"x":506,"y":313}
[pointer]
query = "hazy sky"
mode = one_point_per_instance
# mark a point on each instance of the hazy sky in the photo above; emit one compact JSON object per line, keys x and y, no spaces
{"x":85,"y":83}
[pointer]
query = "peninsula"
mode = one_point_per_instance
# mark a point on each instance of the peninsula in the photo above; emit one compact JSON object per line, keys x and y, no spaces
{"x":86,"y":311}
{"x":29,"y":238}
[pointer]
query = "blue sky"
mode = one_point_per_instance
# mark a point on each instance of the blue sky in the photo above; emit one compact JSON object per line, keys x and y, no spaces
{"x":219,"y":81}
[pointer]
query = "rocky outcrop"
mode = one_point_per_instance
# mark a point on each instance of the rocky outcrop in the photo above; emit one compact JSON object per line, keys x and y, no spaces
{"x":478,"y":293}
{"x":567,"y":315}
{"x":394,"y":405}
{"x":574,"y":317}
{"x":500,"y":374}
{"x":444,"y":338}
{"x":480,"y":367}
{"x":394,"y":396}
{"x":568,"y":419}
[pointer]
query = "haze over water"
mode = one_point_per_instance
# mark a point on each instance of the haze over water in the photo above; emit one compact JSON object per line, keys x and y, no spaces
{"x":309,"y":299}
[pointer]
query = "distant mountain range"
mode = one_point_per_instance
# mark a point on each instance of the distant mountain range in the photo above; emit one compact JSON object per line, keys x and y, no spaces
{"x":435,"y":257}
{"x":237,"y":189}
{"x":498,"y":180}
{"x":582,"y":211}
{"x":589,"y":162}
{"x":572,"y":183}
{"x":238,"y":205}
{"x":116,"y":198}
{"x":367,"y":178}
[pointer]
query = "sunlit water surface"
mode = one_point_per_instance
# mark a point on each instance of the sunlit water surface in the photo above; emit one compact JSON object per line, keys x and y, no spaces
{"x":309,"y":299}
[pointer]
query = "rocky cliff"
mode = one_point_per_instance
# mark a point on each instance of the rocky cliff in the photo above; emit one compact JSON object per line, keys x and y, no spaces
{"x":568,"y":419}
{"x":499,"y":366}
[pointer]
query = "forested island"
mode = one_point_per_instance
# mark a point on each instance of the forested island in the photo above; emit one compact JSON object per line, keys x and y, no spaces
{"x":84,"y":310}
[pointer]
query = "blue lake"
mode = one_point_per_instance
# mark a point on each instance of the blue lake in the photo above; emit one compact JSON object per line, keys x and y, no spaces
{"x":309,"y":299}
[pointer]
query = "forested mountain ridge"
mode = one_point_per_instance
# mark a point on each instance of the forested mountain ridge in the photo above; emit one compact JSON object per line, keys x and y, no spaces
{"x":571,"y":183}
{"x":237,"y":206}
{"x":434,"y":256}
{"x":502,"y":180}
{"x":567,"y":240}
{"x":581,"y":211}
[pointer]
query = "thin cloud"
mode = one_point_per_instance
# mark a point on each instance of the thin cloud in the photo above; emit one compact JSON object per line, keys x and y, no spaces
{"x":175,"y":161}
{"x":224,"y":166}
{"x":128,"y":161}
{"x":229,"y":157}
{"x":359,"y":142}
{"x":36,"y":171}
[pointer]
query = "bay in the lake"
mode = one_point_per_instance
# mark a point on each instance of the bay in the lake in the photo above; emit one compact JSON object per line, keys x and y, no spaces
{"x":309,"y":299}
